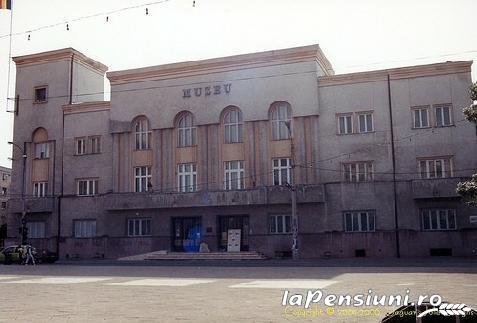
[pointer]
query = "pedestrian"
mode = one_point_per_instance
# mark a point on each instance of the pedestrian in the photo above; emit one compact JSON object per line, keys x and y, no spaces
{"x":29,"y":256}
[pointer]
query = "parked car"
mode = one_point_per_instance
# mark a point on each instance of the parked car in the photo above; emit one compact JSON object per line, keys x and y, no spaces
{"x":11,"y":255}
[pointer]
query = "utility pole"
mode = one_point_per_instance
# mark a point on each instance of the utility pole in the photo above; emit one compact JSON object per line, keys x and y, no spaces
{"x":23,"y":220}
{"x":291,"y":186}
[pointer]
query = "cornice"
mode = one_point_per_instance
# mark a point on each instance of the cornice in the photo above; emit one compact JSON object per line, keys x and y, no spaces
{"x":224,"y":64}
{"x":85,"y":107}
{"x":397,"y":73}
{"x":60,"y":54}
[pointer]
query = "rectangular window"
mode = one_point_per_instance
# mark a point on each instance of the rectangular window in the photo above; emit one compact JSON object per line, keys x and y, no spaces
{"x":187,"y":177}
{"x":280,"y":223}
{"x":359,"y":221}
{"x":4,"y":191}
{"x":40,"y":189}
{"x":443,"y":115}
{"x":358,"y":172}
{"x":41,"y":95}
{"x":435,"y":168}
{"x":142,"y":179}
{"x":36,"y":229}
{"x":42,"y":150}
{"x":421,"y":117}
{"x":365,"y":122}
{"x":139,"y":227}
{"x":95,"y":144}
{"x":281,"y":171}
{"x":80,"y":144}
{"x":438,"y":219}
{"x":87,"y":187}
{"x":4,"y":205}
{"x":233,"y":177}
{"x":85,"y":228}
{"x":345,"y":124}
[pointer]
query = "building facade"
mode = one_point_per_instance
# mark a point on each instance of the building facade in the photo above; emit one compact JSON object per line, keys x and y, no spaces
{"x":184,"y":152}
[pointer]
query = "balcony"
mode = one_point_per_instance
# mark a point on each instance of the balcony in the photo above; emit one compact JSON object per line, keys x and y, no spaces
{"x":256,"y":196}
{"x":32,"y":205}
{"x":436,"y":188}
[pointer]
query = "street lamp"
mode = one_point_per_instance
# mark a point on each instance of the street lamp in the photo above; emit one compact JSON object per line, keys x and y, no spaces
{"x":24,"y":156}
{"x":292,"y":188}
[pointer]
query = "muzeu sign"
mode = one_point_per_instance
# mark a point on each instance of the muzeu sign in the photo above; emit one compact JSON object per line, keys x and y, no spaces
{"x":207,"y":90}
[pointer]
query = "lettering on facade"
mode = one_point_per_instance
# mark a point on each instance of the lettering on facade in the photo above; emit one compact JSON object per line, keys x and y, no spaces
{"x":207,"y":90}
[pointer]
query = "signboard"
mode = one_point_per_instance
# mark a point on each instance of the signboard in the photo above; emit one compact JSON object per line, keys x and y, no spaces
{"x":473,"y":219}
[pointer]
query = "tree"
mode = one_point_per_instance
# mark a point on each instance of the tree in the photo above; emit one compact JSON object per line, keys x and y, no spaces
{"x":468,"y":189}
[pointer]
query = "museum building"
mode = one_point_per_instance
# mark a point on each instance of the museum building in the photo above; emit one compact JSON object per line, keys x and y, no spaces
{"x":185,"y":152}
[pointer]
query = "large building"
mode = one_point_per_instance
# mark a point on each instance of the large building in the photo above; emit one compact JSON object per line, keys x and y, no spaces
{"x":185,"y":152}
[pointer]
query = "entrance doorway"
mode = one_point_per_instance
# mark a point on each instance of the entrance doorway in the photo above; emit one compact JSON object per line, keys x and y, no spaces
{"x":187,"y":233}
{"x":227,"y":222}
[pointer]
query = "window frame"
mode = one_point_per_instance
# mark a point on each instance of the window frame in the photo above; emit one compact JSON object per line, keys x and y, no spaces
{"x":186,"y":131}
{"x":438,"y":221}
{"x":142,"y":134}
{"x":228,"y":175}
{"x":37,"y":88}
{"x":358,"y":215}
{"x":233,"y":128}
{"x":442,"y":159}
{"x":89,"y":191}
{"x":36,"y":189}
{"x":81,"y":235}
{"x":78,"y":151}
{"x":442,"y":106}
{"x":365,"y":114}
{"x":278,"y":123}
{"x":280,"y":168}
{"x":274,"y":222}
{"x":183,"y":174}
{"x":427,"y":109}
{"x":355,"y":166}
{"x":139,"y":227}
{"x":338,"y":123}
{"x":138,"y":178}
{"x":95,"y":148}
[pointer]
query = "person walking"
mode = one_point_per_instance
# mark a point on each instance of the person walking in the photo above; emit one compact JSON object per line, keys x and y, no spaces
{"x":29,"y":256}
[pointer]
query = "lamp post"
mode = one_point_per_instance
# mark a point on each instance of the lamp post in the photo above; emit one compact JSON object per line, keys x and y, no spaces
{"x":291,"y":186}
{"x":24,"y":156}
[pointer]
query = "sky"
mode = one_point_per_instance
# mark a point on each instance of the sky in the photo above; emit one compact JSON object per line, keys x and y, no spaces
{"x":355,"y":35}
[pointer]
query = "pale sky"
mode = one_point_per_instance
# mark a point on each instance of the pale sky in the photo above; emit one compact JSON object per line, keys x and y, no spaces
{"x":355,"y":35}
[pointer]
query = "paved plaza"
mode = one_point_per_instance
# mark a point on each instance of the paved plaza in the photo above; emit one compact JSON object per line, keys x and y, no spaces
{"x":244,"y":292}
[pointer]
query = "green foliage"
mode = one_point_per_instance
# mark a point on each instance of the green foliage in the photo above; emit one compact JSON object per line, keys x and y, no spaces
{"x":471,"y":113}
{"x":473,"y":91}
{"x":468,"y":190}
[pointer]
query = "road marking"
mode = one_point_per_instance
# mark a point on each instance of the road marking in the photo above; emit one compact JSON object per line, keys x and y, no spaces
{"x":58,"y":280}
{"x":286,"y":284}
{"x":406,"y":284}
{"x":163,"y":282}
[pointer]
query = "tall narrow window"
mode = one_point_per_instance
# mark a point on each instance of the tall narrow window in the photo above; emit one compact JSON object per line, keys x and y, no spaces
{"x":443,"y":115}
{"x":95,"y":144}
{"x":40,"y":189}
{"x":358,"y":172}
{"x":42,"y":150}
{"x":187,"y":177}
{"x":142,"y":179}
{"x":435,"y":167}
{"x":281,"y":121}
{"x":233,"y":126}
{"x":186,"y":131}
{"x":233,"y":177}
{"x":345,"y":124}
{"x":365,"y":121}
{"x":142,"y":134}
{"x":80,"y":146}
{"x":421,"y":117}
{"x":281,"y":171}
